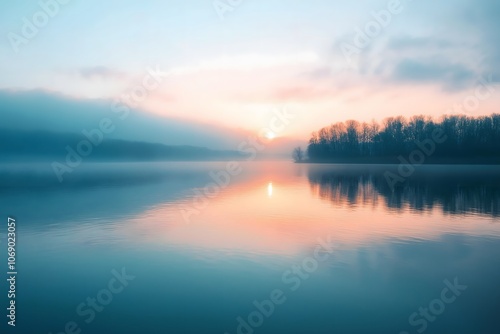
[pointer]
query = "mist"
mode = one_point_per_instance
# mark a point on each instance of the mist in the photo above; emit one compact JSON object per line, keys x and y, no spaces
{"x":37,"y":110}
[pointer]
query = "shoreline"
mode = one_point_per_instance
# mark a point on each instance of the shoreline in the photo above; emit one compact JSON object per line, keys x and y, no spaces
{"x":395,"y":161}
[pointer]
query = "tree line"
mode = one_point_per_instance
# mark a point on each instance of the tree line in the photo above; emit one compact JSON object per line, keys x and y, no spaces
{"x":466,"y":138}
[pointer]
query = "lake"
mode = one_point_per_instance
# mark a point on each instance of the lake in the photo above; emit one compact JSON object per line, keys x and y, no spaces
{"x":253,"y":247}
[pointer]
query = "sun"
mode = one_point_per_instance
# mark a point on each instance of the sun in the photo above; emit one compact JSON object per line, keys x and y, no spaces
{"x":270,"y":135}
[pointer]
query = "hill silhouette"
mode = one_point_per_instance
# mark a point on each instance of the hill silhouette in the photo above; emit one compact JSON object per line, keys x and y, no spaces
{"x":44,"y":145}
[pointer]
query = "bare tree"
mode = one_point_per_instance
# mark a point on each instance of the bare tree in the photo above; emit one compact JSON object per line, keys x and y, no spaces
{"x":298,"y":154}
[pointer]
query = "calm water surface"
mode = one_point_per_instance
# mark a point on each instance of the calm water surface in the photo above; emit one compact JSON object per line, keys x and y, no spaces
{"x":340,"y":250}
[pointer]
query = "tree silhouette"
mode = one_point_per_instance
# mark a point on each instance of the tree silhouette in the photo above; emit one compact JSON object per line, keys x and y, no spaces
{"x":466,"y":138}
{"x":298,"y":154}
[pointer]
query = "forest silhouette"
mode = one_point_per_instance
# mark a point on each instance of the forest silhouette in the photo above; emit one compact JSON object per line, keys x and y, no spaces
{"x":465,"y":139}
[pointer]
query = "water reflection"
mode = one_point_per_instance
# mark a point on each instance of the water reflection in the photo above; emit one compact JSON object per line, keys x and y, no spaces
{"x":270,"y":189}
{"x":94,"y":192}
{"x":392,"y":249}
{"x":271,"y":208}
{"x":452,"y":189}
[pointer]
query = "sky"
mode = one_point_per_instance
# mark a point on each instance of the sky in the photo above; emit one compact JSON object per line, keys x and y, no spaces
{"x":230,"y":63}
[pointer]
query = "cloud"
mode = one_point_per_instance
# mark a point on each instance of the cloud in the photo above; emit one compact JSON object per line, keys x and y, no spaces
{"x":451,"y":46}
{"x":100,"y":72}
{"x":302,"y":93}
{"x":465,"y":41}
{"x":413,"y":42}
{"x":483,"y":16}
{"x":323,"y":72}
{"x":247,"y":62}
{"x":453,"y":76}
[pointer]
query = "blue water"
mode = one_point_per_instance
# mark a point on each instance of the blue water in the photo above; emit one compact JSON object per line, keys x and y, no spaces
{"x":324,"y":249}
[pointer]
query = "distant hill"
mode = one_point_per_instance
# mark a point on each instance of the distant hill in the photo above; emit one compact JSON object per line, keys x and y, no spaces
{"x":44,"y":145}
{"x":46,"y":111}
